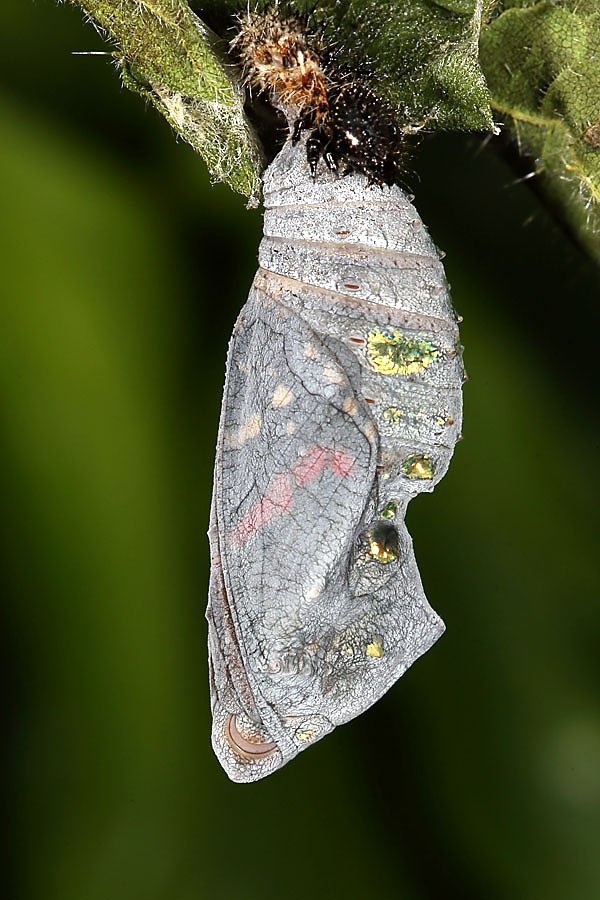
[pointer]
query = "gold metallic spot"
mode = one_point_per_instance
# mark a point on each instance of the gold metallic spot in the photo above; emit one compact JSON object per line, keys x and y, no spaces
{"x":418,"y":465}
{"x":290,"y":427}
{"x":389,"y":510}
{"x":392,"y":353}
{"x":393,"y":414}
{"x":374,"y":650}
{"x":383,"y":542}
{"x":246,"y":746}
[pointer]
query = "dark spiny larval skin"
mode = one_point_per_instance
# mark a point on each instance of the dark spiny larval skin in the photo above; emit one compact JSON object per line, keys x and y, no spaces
{"x":342,"y":401}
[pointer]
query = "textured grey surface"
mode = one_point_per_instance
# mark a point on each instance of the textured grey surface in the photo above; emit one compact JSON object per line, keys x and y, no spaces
{"x":311,"y":619}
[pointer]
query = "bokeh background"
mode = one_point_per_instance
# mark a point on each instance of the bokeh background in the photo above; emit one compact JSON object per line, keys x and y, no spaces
{"x":122,"y":271}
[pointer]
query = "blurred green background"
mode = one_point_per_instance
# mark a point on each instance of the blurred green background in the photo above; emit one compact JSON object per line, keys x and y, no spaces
{"x":122,"y":272}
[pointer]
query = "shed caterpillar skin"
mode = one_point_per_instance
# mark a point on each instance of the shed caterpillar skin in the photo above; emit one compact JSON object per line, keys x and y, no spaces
{"x":275,"y":56}
{"x":348,"y":126}
{"x":342,"y":402}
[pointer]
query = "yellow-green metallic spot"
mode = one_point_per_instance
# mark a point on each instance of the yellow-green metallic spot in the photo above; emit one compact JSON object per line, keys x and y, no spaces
{"x":392,"y":353}
{"x":389,"y":510}
{"x":418,"y":465}
{"x":374,"y":650}
{"x":393,"y":414}
{"x":383,"y":542}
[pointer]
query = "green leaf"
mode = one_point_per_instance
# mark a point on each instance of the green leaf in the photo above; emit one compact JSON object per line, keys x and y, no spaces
{"x":422,"y":54}
{"x":542,"y":64}
{"x":171,"y":57}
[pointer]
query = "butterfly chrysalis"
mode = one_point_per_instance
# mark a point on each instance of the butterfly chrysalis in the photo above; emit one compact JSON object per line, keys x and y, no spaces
{"x":342,"y":402}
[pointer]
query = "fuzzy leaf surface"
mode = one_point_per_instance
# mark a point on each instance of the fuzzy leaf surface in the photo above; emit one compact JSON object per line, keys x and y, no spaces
{"x":171,"y":57}
{"x":542,"y":64}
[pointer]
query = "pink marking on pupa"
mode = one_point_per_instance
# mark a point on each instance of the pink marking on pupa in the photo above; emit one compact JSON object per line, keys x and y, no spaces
{"x":342,"y":463}
{"x":311,"y":465}
{"x":276,"y":501}
{"x":319,"y":458}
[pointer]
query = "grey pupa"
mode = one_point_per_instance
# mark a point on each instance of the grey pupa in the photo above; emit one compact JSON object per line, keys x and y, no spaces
{"x":342,"y":401}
